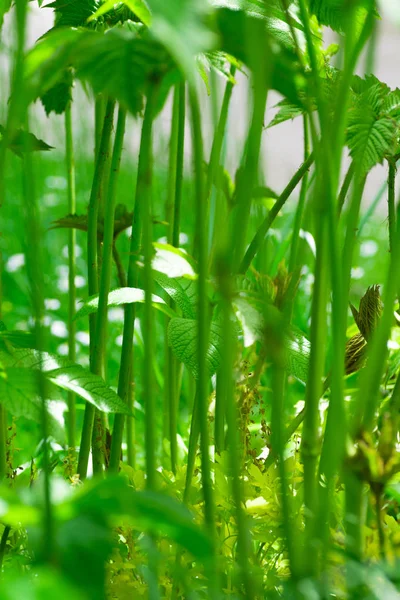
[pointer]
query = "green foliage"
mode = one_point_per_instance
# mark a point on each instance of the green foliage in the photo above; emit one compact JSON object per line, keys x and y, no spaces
{"x":182,"y":337}
{"x":250,"y":449}
{"x":123,"y":296}
{"x":336,"y":13}
{"x":73,"y":13}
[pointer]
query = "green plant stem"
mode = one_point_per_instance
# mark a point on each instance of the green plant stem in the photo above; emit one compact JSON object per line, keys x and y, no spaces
{"x":169,"y":373}
{"x":367,"y":398}
{"x":193,"y":439}
{"x":3,"y":442}
{"x":345,"y":187}
{"x":35,"y":271}
{"x":172,"y":387}
{"x":121,"y":276}
{"x":179,"y":165}
{"x":379,"y":522}
{"x":141,"y":194}
{"x":101,"y":163}
{"x":70,"y":164}
{"x":215,"y":154}
{"x":259,"y":236}
{"x":392,"y":203}
{"x":241,"y":212}
{"x":148,"y":333}
{"x":310,"y":438}
{"x":354,"y":512}
{"x":234,"y":454}
{"x":3,"y":544}
{"x":203,"y":317}
{"x":293,"y":259}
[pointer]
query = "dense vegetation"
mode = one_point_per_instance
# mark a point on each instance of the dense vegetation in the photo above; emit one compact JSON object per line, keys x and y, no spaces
{"x":199,"y":375}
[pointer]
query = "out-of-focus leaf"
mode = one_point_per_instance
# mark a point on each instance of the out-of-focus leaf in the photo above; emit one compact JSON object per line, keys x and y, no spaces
{"x":179,"y":26}
{"x":20,"y":392}
{"x":21,"y":141}
{"x":126,"y":295}
{"x":66,"y":375}
{"x":172,"y":261}
{"x":150,"y":511}
{"x":284,"y":71}
{"x":118,"y":63}
{"x":57,"y":98}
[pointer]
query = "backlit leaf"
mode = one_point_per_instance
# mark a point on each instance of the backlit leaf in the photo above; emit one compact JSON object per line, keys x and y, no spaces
{"x":126,"y":295}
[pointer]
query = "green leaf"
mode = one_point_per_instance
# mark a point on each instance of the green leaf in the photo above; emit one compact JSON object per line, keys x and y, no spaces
{"x":117,"y":63}
{"x":140,"y":9}
{"x":21,"y":141}
{"x":179,"y":26}
{"x":175,"y":290}
{"x":121,"y":64}
{"x":73,"y":13}
{"x":336,"y":13}
{"x":172,"y":261}
{"x":68,"y":376}
{"x":21,"y":339}
{"x":137,"y":7}
{"x":249,"y":311}
{"x":125,"y":295}
{"x":391,"y":104}
{"x":151,"y":511}
{"x":285,"y":74}
{"x":371,"y":134}
{"x":57,"y":98}
{"x":20,"y":392}
{"x":182,"y":338}
{"x":287,"y":110}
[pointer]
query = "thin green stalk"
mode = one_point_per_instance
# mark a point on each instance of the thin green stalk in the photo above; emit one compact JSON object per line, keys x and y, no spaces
{"x":3,"y":544}
{"x":179,"y":165}
{"x":368,"y":396}
{"x":219,"y":134}
{"x":333,"y":448}
{"x":293,"y":259}
{"x":278,"y":448}
{"x":241,"y":213}
{"x":35,"y":271}
{"x":219,"y":416}
{"x":203,"y":327}
{"x":345,"y":187}
{"x":3,"y":442}
{"x":169,"y":373}
{"x":130,"y":426}
{"x":148,"y":333}
{"x":97,"y":183}
{"x":173,"y":144}
{"x":234,"y":454}
{"x":125,"y":371}
{"x":192,"y":448}
{"x":99,"y":343}
{"x":310,"y":439}
{"x":354,"y":488}
{"x":392,"y":203}
{"x":70,"y":164}
{"x":263,"y":229}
